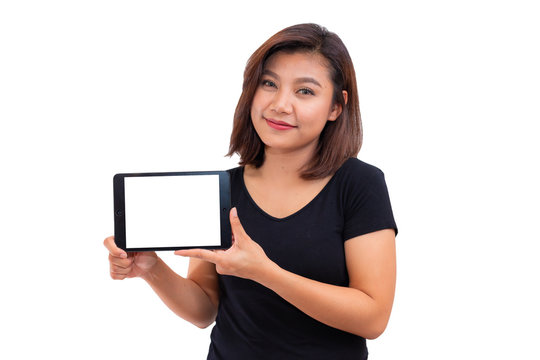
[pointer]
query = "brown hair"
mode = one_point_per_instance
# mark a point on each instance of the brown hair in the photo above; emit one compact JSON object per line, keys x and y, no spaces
{"x":340,"y":139}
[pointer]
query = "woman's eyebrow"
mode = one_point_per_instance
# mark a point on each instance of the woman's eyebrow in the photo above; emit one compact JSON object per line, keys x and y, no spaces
{"x":297,"y":80}
{"x":271,"y":73}
{"x":308,"y":80}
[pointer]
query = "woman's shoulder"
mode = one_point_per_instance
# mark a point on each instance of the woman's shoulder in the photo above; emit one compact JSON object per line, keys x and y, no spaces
{"x":359,"y":168}
{"x":357,"y":176}
{"x":235,"y":171}
{"x":236,"y":176}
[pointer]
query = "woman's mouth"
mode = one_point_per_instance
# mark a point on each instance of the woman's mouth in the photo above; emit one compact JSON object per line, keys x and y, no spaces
{"x":279,"y":125}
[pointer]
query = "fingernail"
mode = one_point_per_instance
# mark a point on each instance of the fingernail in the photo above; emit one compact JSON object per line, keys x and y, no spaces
{"x":123,"y":255}
{"x":233,"y":212}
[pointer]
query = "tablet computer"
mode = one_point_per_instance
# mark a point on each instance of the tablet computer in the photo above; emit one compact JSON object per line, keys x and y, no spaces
{"x":172,"y":210}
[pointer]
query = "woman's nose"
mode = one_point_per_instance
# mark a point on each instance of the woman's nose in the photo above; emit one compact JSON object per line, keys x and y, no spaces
{"x":281,"y":102}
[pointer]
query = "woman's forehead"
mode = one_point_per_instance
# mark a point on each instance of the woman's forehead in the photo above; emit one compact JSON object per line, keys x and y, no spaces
{"x":300,"y":63}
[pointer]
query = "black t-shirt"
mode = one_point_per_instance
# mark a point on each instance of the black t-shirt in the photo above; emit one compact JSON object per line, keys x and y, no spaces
{"x":253,"y":322}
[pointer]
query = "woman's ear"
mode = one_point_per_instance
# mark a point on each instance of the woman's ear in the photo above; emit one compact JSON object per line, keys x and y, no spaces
{"x":337,"y":108}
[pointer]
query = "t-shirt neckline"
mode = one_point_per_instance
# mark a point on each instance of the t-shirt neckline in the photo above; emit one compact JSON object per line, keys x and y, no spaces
{"x":302,"y":209}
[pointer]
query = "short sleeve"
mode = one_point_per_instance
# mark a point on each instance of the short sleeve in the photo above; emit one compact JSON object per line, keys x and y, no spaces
{"x":366,"y":202}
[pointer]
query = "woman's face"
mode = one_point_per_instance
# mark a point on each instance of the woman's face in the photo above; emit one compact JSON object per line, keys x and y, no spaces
{"x":293,"y":102}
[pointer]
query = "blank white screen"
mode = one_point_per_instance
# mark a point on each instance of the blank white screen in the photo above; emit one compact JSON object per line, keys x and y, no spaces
{"x":172,"y":211}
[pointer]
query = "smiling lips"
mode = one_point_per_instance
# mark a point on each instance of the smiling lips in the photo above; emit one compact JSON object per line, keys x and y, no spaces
{"x":278,"y":125}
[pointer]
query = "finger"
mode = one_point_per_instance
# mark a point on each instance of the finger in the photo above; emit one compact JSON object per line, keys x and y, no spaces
{"x":203,"y":254}
{"x":118,"y":273}
{"x":236,"y":226}
{"x":118,"y":270}
{"x":120,"y":262}
{"x":115,"y":276}
{"x":113,"y":249}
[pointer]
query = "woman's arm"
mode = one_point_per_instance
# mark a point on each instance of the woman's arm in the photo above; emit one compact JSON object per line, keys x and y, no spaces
{"x":194,"y":298}
{"x":363,"y":308}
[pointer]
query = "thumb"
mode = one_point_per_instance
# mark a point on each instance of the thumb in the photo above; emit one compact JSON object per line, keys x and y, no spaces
{"x":236,"y":226}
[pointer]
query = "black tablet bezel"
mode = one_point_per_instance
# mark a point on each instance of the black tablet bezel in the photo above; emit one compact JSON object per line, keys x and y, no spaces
{"x":120,"y":213}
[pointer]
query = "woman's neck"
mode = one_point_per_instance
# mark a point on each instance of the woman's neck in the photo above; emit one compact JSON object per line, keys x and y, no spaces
{"x":283,"y":166}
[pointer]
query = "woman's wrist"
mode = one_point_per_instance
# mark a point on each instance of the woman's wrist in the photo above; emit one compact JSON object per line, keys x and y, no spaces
{"x":153,"y":272}
{"x":266,"y":273}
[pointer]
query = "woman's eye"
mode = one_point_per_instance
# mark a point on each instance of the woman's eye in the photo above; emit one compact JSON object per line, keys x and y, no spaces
{"x":268,"y":83}
{"x":306,"y":91}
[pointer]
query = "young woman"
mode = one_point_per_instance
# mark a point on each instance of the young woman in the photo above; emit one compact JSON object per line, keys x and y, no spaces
{"x":311,"y":272}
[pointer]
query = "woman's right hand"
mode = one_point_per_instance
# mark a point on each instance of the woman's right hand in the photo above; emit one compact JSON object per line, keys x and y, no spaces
{"x":128,"y":265}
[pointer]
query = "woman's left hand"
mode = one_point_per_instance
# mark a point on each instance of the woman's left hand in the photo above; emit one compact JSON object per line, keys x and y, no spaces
{"x":245,"y":258}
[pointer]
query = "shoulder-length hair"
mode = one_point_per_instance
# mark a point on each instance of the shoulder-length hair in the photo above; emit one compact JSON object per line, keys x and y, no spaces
{"x":340,"y":139}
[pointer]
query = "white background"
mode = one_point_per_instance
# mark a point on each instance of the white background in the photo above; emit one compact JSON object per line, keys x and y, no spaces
{"x":449,"y":94}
